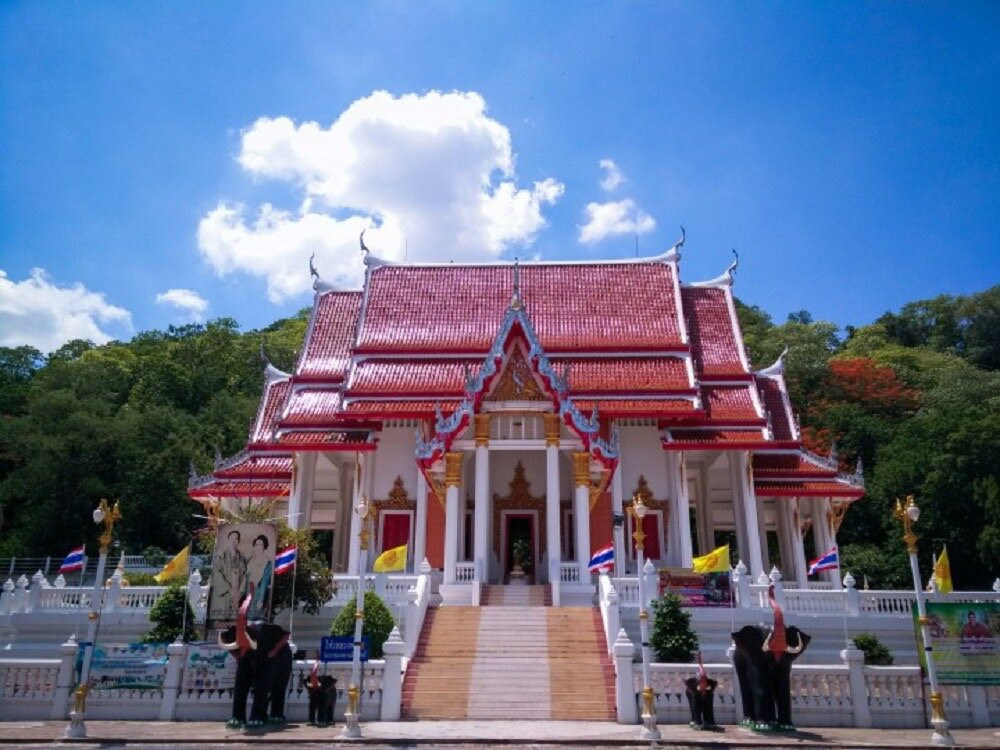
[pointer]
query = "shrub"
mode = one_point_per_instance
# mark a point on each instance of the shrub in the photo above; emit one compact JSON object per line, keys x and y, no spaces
{"x":142,"y":579}
{"x":167,"y":616}
{"x":672,"y":638}
{"x":377,"y":626}
{"x":876,"y":653}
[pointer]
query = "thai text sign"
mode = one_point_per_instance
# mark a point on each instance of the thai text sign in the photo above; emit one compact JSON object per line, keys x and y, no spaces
{"x":697,"y":589}
{"x":341,"y":648}
{"x":966,"y":641}
{"x":208,"y":667}
{"x":128,"y":666}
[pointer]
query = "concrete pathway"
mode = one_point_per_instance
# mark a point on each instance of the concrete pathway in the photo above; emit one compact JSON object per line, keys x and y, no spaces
{"x":474,"y":733}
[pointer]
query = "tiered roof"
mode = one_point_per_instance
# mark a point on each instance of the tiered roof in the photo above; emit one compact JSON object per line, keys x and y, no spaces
{"x":624,"y":338}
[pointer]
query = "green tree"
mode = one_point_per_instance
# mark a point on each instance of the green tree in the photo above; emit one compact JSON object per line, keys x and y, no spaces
{"x":378,"y":622}
{"x":672,"y":638}
{"x":169,"y":618}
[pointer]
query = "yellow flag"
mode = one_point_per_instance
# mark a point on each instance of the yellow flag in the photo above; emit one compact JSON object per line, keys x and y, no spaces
{"x":176,"y":568}
{"x":716,"y":561}
{"x":942,"y":573}
{"x":391,"y":560}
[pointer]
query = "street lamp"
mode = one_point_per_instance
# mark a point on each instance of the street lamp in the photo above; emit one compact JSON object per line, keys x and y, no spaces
{"x":908,"y":515}
{"x":352,"y":729}
{"x":639,"y":510}
{"x":108,"y":516}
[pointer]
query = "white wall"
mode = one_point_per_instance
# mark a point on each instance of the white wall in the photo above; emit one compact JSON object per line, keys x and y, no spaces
{"x":642,"y":454}
{"x":394,"y":458}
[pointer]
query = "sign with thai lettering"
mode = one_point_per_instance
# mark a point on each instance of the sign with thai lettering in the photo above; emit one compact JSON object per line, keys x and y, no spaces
{"x":126,"y":666}
{"x":966,"y":642}
{"x":697,"y":589}
{"x":341,"y":648}
{"x":208,"y":667}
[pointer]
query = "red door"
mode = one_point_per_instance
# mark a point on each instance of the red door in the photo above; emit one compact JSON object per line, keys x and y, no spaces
{"x":395,"y":530}
{"x":651,"y":544}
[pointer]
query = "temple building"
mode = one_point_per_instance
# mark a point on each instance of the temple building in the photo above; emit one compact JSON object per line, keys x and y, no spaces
{"x":484,"y":409}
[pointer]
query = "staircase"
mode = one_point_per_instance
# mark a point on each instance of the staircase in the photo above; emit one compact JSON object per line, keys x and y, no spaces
{"x":512,"y":658}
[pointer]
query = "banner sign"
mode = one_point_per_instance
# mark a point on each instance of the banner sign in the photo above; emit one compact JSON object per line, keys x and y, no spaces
{"x":966,"y":641}
{"x":341,"y":648}
{"x":208,"y":667}
{"x":697,"y":589}
{"x":128,"y":666}
{"x":243,"y":556}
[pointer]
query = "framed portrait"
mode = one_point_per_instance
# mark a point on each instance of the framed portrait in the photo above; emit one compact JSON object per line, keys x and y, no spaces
{"x":242,"y":561}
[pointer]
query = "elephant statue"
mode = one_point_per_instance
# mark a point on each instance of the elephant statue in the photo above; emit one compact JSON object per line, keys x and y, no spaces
{"x":322,"y":691}
{"x":700,"y":693}
{"x":264,"y":663}
{"x":763,"y":661}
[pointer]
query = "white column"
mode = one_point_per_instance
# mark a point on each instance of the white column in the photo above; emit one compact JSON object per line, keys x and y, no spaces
{"x":481,"y":521}
{"x":762,"y":528}
{"x":553,"y":537}
{"x":824,"y":537}
{"x":745,"y":507}
{"x":706,"y":524}
{"x":303,"y":484}
{"x":581,"y":511}
{"x":358,"y":488}
{"x":788,"y":517}
{"x":618,"y":532}
{"x":452,"y":480}
{"x":344,"y":513}
{"x":420,"y":533}
{"x":292,"y":512}
{"x":680,"y":513}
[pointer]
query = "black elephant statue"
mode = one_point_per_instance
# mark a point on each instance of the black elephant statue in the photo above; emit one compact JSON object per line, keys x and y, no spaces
{"x":263,"y":663}
{"x":700,"y":693}
{"x":763,"y":661}
{"x":322,"y":691}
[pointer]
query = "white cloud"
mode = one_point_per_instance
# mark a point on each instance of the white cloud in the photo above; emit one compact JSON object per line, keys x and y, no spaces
{"x":614,"y":218}
{"x":432,"y":173}
{"x":36,"y":312}
{"x":185,"y":300}
{"x":613,"y":176}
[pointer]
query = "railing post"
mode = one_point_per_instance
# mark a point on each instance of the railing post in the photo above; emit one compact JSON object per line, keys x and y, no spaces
{"x":176,"y":655}
{"x":853,"y":598}
{"x":854,"y":659}
{"x":742,"y":584}
{"x":779,"y":589}
{"x":614,"y":618}
{"x":392,"y":677}
{"x":737,"y":693}
{"x":651,"y":584}
{"x":625,"y":698}
{"x":114,"y":592}
{"x":60,"y":582}
{"x":7,"y":598}
{"x":38,"y":583}
{"x":21,"y":594}
{"x":64,"y":679}
{"x":194,"y":592}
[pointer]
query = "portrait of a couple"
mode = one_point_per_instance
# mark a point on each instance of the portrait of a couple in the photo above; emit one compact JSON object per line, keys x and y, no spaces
{"x":244,"y":556}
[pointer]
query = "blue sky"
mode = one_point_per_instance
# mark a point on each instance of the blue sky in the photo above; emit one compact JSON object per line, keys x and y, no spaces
{"x":849,"y":151}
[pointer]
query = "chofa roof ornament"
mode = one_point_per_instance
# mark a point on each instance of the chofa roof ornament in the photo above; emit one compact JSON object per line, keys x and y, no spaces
{"x":319,"y":286}
{"x":778,"y":368}
{"x":516,"y":303}
{"x":725,"y":278}
{"x":674,"y":253}
{"x":371,"y":261}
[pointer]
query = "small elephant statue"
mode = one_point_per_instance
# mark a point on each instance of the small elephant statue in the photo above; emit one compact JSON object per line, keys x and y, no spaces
{"x":264,"y":663}
{"x":763,"y":661}
{"x":700,"y":693}
{"x":322,"y":691}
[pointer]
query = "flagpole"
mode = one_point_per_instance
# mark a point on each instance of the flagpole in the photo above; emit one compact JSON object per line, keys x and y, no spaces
{"x":295,"y":570}
{"x":83,"y":569}
{"x":187,"y":592}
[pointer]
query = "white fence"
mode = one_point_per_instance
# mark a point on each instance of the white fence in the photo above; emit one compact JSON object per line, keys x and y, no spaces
{"x":41,"y":689}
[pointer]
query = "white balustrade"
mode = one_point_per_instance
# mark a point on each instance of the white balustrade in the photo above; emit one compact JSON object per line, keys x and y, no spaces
{"x":569,"y":573}
{"x":465,"y":572}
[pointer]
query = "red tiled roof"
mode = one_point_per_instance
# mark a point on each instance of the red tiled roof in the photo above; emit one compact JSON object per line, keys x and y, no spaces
{"x":311,"y":407}
{"x":331,"y":337}
{"x":327,"y":440}
{"x":624,"y":374}
{"x":267,"y":414}
{"x":788,"y":466}
{"x":241,"y":488}
{"x":573,"y":307}
{"x":432,"y":377}
{"x":258,"y":467}
{"x":637,"y":407}
{"x":731,"y":404}
{"x":765,"y":488}
{"x":398,"y":409}
{"x":714,"y":346}
{"x":688,"y":439}
{"x":774,"y":402}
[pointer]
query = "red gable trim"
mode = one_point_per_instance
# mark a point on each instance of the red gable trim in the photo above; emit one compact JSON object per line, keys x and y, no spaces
{"x":807,"y":489}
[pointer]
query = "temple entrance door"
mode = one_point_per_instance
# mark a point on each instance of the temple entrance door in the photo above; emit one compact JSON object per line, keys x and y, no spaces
{"x":519,"y":532}
{"x":395,"y":531}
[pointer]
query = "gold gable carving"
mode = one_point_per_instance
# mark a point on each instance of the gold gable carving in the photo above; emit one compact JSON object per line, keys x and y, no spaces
{"x":519,"y":498}
{"x":398,"y":498}
{"x":643,"y":491}
{"x":517,"y":381}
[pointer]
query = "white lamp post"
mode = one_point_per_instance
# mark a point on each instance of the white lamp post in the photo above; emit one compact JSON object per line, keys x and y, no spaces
{"x":638,"y":510}
{"x":108,"y":516}
{"x":908,"y":515}
{"x":352,"y":729}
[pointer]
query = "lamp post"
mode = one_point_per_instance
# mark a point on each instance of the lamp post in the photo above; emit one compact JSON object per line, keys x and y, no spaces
{"x":352,"y":729}
{"x":638,"y":510}
{"x":908,"y":515}
{"x":103,"y":514}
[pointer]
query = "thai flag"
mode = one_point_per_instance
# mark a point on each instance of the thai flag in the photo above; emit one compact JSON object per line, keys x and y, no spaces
{"x":829,"y":561}
{"x":284,"y":560}
{"x":73,"y":561}
{"x":603,"y":559}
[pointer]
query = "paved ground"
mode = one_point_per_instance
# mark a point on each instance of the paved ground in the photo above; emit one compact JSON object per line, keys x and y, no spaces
{"x":457,"y":734}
